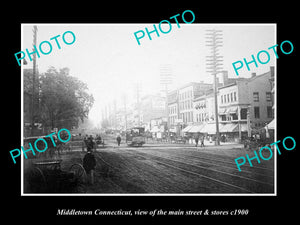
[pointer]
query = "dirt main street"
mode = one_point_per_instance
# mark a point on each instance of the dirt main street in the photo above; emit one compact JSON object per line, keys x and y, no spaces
{"x":175,"y":169}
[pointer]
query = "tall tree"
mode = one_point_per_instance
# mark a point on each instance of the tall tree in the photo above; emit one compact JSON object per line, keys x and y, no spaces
{"x":64,"y":99}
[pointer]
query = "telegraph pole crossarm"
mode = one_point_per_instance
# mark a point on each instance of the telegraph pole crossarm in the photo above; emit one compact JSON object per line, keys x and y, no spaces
{"x":214,"y":63}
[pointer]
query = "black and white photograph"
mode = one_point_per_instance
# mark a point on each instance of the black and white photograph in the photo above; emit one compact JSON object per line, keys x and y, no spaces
{"x":134,"y":114}
{"x":172,"y":115}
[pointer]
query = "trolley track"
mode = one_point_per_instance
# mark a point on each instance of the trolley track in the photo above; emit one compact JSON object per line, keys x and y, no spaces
{"x":212,"y":155}
{"x":224,"y":184}
{"x":176,"y":170}
{"x":264,"y":173}
{"x":225,"y":151}
{"x":260,"y":175}
{"x":126,"y":174}
{"x":244,"y":184}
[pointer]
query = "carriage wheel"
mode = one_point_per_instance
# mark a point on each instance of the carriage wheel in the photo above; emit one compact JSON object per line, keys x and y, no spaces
{"x":37,"y":181}
{"x":78,"y":171}
{"x":80,"y":176}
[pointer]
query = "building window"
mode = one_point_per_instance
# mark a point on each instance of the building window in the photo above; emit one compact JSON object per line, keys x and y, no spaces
{"x":256,"y":112}
{"x":234,"y":96}
{"x":222,"y":99}
{"x":269,"y":112}
{"x":244,"y":113}
{"x":234,"y":116}
{"x":231,"y":97}
{"x":227,"y":97}
{"x":255,"y":96}
{"x":268,"y":96}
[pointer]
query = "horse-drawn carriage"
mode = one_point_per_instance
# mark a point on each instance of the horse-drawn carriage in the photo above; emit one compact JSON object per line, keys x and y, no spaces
{"x":43,"y":172}
{"x":252,"y":143}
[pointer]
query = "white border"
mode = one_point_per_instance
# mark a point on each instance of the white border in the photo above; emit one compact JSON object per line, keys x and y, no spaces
{"x":165,"y":194}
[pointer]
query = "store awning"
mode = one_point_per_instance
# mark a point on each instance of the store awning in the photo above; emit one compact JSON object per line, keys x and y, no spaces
{"x":196,"y":128}
{"x":271,"y":125}
{"x":187,"y":128}
{"x":210,"y":128}
{"x":229,"y":127}
{"x":244,"y":128}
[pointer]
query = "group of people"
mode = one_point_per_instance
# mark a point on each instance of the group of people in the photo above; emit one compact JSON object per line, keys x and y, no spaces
{"x":90,"y":142}
{"x":201,"y":140}
{"x":89,"y":160}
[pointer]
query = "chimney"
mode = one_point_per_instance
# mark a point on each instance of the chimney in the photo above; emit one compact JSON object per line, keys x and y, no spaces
{"x":253,"y":75}
{"x":225,"y":78}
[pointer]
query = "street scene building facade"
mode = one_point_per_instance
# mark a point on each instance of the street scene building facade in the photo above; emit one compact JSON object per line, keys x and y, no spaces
{"x":245,"y":107}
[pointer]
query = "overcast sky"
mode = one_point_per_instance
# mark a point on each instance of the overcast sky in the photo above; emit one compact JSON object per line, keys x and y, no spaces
{"x":108,"y":58}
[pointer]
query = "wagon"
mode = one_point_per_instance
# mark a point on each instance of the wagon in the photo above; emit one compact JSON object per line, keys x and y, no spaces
{"x":46,"y":176}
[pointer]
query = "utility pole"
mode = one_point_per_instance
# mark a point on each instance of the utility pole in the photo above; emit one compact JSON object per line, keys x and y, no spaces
{"x":33,"y":81}
{"x":138,"y":103}
{"x":214,"y":40}
{"x":125,"y":111}
{"x":115,"y":114}
{"x":166,"y":78}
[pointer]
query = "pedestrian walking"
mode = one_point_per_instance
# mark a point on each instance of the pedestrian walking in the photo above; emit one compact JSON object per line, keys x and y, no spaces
{"x":84,"y":142}
{"x":89,"y":164}
{"x":202,"y":141}
{"x":90,"y":143}
{"x":119,"y":140}
{"x":196,"y":140}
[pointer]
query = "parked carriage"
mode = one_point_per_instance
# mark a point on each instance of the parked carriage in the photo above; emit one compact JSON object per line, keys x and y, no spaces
{"x":47,"y":177}
{"x":43,"y":173}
